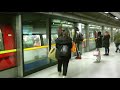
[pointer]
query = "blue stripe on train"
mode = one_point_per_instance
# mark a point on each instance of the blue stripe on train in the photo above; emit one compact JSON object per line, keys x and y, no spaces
{"x":36,"y":64}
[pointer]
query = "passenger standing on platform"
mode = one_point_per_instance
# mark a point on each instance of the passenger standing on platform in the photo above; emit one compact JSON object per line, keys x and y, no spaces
{"x":99,"y":45}
{"x":78,"y":38}
{"x":106,"y":42}
{"x":117,"y":41}
{"x":63,"y":51}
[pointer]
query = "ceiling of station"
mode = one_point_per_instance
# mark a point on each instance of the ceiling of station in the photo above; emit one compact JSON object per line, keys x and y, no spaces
{"x":102,"y":17}
{"x":117,"y":14}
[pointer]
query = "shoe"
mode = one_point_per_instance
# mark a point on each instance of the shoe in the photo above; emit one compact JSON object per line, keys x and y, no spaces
{"x":104,"y":54}
{"x":116,"y":51}
{"x":64,"y":76}
{"x":59,"y":73}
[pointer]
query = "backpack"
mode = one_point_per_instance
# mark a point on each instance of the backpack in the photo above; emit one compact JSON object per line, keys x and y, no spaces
{"x":79,"y":37}
{"x":64,"y":50}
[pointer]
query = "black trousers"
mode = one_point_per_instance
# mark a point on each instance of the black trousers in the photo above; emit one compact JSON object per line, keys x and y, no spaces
{"x":63,"y":62}
{"x":106,"y":50}
{"x":78,"y":44}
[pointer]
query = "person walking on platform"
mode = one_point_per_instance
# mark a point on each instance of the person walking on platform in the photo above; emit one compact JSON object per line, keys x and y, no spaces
{"x":106,"y":42}
{"x":99,"y":45}
{"x":63,"y":51}
{"x":117,"y":41}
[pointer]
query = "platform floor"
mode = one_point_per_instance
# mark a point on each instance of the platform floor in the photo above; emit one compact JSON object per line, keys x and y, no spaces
{"x":109,"y":67}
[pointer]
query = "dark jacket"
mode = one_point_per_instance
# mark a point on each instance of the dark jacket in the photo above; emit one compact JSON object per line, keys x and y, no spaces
{"x":106,"y":42}
{"x":63,"y":41}
{"x":99,"y":42}
{"x":117,"y":37}
{"x":78,"y":38}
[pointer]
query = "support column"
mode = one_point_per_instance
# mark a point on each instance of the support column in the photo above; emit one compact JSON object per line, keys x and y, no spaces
{"x":103,"y":30}
{"x":112,"y":34}
{"x":20,"y":57}
{"x":87,"y":37}
{"x":48,"y":33}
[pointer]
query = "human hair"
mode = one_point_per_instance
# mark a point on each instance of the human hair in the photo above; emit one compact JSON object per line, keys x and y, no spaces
{"x":60,"y":32}
{"x":107,"y":33}
{"x":65,"y":33}
{"x":99,"y":33}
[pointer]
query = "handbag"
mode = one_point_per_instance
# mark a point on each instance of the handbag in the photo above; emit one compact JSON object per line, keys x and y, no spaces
{"x":96,"y":53}
{"x":73,"y":49}
{"x":51,"y":54}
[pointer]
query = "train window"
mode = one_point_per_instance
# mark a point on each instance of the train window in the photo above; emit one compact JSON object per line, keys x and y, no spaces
{"x":31,"y":41}
{"x":27,"y":41}
{"x":44,"y":39}
{"x":36,"y":40}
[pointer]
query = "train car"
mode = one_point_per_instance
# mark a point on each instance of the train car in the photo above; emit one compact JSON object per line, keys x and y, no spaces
{"x":7,"y":54}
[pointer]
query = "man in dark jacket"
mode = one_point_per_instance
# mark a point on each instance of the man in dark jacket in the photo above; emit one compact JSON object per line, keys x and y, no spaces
{"x":63,"y":39}
{"x":106,"y":42}
{"x":78,"y":38}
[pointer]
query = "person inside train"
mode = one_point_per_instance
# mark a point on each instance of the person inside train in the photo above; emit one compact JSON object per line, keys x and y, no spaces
{"x":99,"y":45}
{"x":117,"y":41}
{"x":106,"y":42}
{"x":63,"y":51}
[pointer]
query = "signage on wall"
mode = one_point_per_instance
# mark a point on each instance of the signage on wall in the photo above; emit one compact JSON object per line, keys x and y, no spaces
{"x":9,"y":34}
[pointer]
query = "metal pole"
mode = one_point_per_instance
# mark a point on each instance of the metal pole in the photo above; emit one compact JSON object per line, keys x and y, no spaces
{"x":19,"y":46}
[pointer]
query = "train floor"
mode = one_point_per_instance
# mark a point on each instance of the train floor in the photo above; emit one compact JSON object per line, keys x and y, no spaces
{"x":87,"y":67}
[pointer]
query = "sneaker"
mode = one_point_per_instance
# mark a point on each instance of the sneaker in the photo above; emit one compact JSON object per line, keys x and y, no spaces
{"x":64,"y":76}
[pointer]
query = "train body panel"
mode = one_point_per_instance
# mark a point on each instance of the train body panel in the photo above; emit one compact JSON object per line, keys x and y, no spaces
{"x":8,"y":60}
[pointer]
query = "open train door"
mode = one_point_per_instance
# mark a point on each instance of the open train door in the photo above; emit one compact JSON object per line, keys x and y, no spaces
{"x":8,"y":59}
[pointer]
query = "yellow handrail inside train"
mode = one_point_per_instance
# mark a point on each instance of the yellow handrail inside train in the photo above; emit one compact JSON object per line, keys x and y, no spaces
{"x":33,"y":48}
{"x":7,"y":51}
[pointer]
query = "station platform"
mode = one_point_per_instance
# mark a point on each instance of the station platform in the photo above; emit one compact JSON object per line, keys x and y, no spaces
{"x":87,"y":67}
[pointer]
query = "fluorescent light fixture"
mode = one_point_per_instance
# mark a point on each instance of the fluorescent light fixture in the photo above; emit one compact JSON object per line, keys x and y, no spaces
{"x":106,"y":12}
{"x":116,"y":17}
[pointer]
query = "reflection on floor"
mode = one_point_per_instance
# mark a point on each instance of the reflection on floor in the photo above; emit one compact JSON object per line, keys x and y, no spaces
{"x":86,"y":67}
